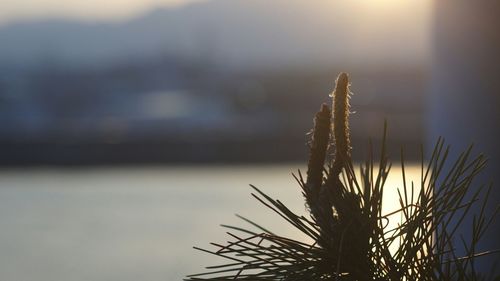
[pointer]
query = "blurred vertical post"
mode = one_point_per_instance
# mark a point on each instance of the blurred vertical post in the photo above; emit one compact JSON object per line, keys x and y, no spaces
{"x":464,"y":105}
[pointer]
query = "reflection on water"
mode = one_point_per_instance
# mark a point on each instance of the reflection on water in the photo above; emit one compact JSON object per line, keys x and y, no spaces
{"x":132,"y":223}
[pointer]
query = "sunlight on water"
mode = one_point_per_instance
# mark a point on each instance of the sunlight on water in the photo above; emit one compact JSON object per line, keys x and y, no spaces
{"x":134,"y":223}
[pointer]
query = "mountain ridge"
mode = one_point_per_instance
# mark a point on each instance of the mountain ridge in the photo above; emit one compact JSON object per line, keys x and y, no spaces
{"x":222,"y":32}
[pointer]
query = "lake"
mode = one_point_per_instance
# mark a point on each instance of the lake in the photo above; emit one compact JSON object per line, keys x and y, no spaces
{"x":133,"y":223}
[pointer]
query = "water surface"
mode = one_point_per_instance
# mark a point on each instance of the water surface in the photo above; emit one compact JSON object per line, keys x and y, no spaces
{"x":135,"y":223}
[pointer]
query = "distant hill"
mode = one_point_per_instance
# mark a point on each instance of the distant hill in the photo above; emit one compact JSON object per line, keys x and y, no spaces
{"x":226,"y":32}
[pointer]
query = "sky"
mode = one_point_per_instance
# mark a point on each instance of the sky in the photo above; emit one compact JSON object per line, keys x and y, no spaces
{"x":87,"y":10}
{"x":117,"y":10}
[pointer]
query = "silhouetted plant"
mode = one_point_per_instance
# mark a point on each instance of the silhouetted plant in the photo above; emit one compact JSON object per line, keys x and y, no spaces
{"x":350,"y":234}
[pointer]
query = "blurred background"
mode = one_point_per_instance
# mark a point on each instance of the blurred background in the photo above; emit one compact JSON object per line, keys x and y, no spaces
{"x":202,"y":82}
{"x":122,"y":121}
